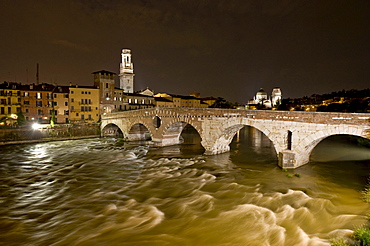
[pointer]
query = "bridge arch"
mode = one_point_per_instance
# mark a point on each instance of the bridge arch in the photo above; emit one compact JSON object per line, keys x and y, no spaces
{"x":342,"y":142}
{"x":139,"y":132}
{"x":224,"y":138}
{"x":172,"y":131}
{"x":112,"y":130}
{"x":317,"y":141}
{"x":305,"y":142}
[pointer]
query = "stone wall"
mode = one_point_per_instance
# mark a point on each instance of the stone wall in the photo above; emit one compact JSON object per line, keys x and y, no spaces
{"x":68,"y":131}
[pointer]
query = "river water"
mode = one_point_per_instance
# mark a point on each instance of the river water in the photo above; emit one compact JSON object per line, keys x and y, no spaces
{"x":106,"y":192}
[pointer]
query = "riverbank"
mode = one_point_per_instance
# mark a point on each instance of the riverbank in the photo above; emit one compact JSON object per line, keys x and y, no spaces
{"x":47,"y":133}
{"x":47,"y":140}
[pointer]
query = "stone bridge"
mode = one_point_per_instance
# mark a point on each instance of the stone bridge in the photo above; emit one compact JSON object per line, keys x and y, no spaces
{"x":294,"y":134}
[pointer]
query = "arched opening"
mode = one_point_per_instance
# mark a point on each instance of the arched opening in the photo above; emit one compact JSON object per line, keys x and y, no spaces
{"x":251,"y":145}
{"x":139,"y":132}
{"x":180,"y":139}
{"x":190,"y":141}
{"x":341,"y":148}
{"x":112,"y":130}
{"x":171,"y":135}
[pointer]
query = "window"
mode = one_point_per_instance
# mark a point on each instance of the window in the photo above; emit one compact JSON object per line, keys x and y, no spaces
{"x":65,"y":103}
{"x":72,"y":108}
{"x":27,"y":111}
{"x":3,"y":101}
{"x":9,"y":110}
{"x":129,"y":100}
{"x":72,"y":92}
{"x":38,"y":95}
{"x":55,"y":95}
{"x":89,"y":117}
{"x":82,"y":116}
{"x":50,"y":96}
{"x":66,"y":95}
{"x":106,"y":85}
{"x":2,"y":110}
{"x":26,"y":102}
{"x":26,"y":94}
{"x":38,"y":103}
{"x":72,"y":100}
{"x":76,"y":114}
{"x":135,"y":101}
{"x":66,"y":112}
{"x":9,"y":93}
{"x":39,"y":112}
{"x":289,"y":140}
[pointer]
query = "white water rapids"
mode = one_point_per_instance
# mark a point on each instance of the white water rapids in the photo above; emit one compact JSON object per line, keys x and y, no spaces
{"x":100,"y":192}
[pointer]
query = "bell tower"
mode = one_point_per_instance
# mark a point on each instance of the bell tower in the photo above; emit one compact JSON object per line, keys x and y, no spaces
{"x":126,"y":72}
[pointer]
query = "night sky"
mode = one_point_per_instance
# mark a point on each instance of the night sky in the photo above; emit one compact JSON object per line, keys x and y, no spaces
{"x":220,"y":48}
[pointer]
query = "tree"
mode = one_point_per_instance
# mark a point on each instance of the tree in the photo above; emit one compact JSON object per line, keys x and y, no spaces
{"x":21,"y":120}
{"x":221,"y":103}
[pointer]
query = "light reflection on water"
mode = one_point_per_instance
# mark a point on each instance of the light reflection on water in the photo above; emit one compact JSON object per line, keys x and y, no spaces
{"x":104,"y":192}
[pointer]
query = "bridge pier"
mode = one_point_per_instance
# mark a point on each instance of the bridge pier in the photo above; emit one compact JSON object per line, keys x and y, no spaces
{"x":286,"y":159}
{"x":167,"y":141}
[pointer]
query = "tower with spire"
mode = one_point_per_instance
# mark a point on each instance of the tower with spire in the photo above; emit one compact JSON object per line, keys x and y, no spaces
{"x":126,"y":72}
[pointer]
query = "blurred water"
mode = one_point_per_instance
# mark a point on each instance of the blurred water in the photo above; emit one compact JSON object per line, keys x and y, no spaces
{"x":104,"y":192}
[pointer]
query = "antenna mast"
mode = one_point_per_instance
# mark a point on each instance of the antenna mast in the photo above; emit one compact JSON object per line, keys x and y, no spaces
{"x":37,"y":74}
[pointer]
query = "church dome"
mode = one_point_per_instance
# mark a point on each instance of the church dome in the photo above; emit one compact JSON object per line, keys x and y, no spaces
{"x":262,"y":92}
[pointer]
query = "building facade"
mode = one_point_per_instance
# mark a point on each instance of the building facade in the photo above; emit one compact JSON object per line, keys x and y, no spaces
{"x":104,"y":80}
{"x":10,"y":101}
{"x":37,"y":102}
{"x":61,"y":104}
{"x":178,"y":101}
{"x":84,"y":104}
{"x":262,"y":99}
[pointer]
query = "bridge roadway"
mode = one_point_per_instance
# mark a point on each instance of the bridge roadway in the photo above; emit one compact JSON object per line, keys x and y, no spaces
{"x":294,"y":134}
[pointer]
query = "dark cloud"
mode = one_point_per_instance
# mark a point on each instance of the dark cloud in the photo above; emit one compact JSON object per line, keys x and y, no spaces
{"x":219,"y":48}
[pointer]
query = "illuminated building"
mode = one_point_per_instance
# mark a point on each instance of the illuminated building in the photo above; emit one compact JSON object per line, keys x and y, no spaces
{"x":126,"y":72}
{"x":261,"y":99}
{"x":37,"y":102}
{"x":276,"y":97}
{"x":10,"y":101}
{"x":61,"y":104}
{"x":178,"y":101}
{"x":104,"y":81}
{"x":84,"y":104}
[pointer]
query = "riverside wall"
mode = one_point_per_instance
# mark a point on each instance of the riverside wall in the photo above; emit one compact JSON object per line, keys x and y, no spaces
{"x":58,"y":132}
